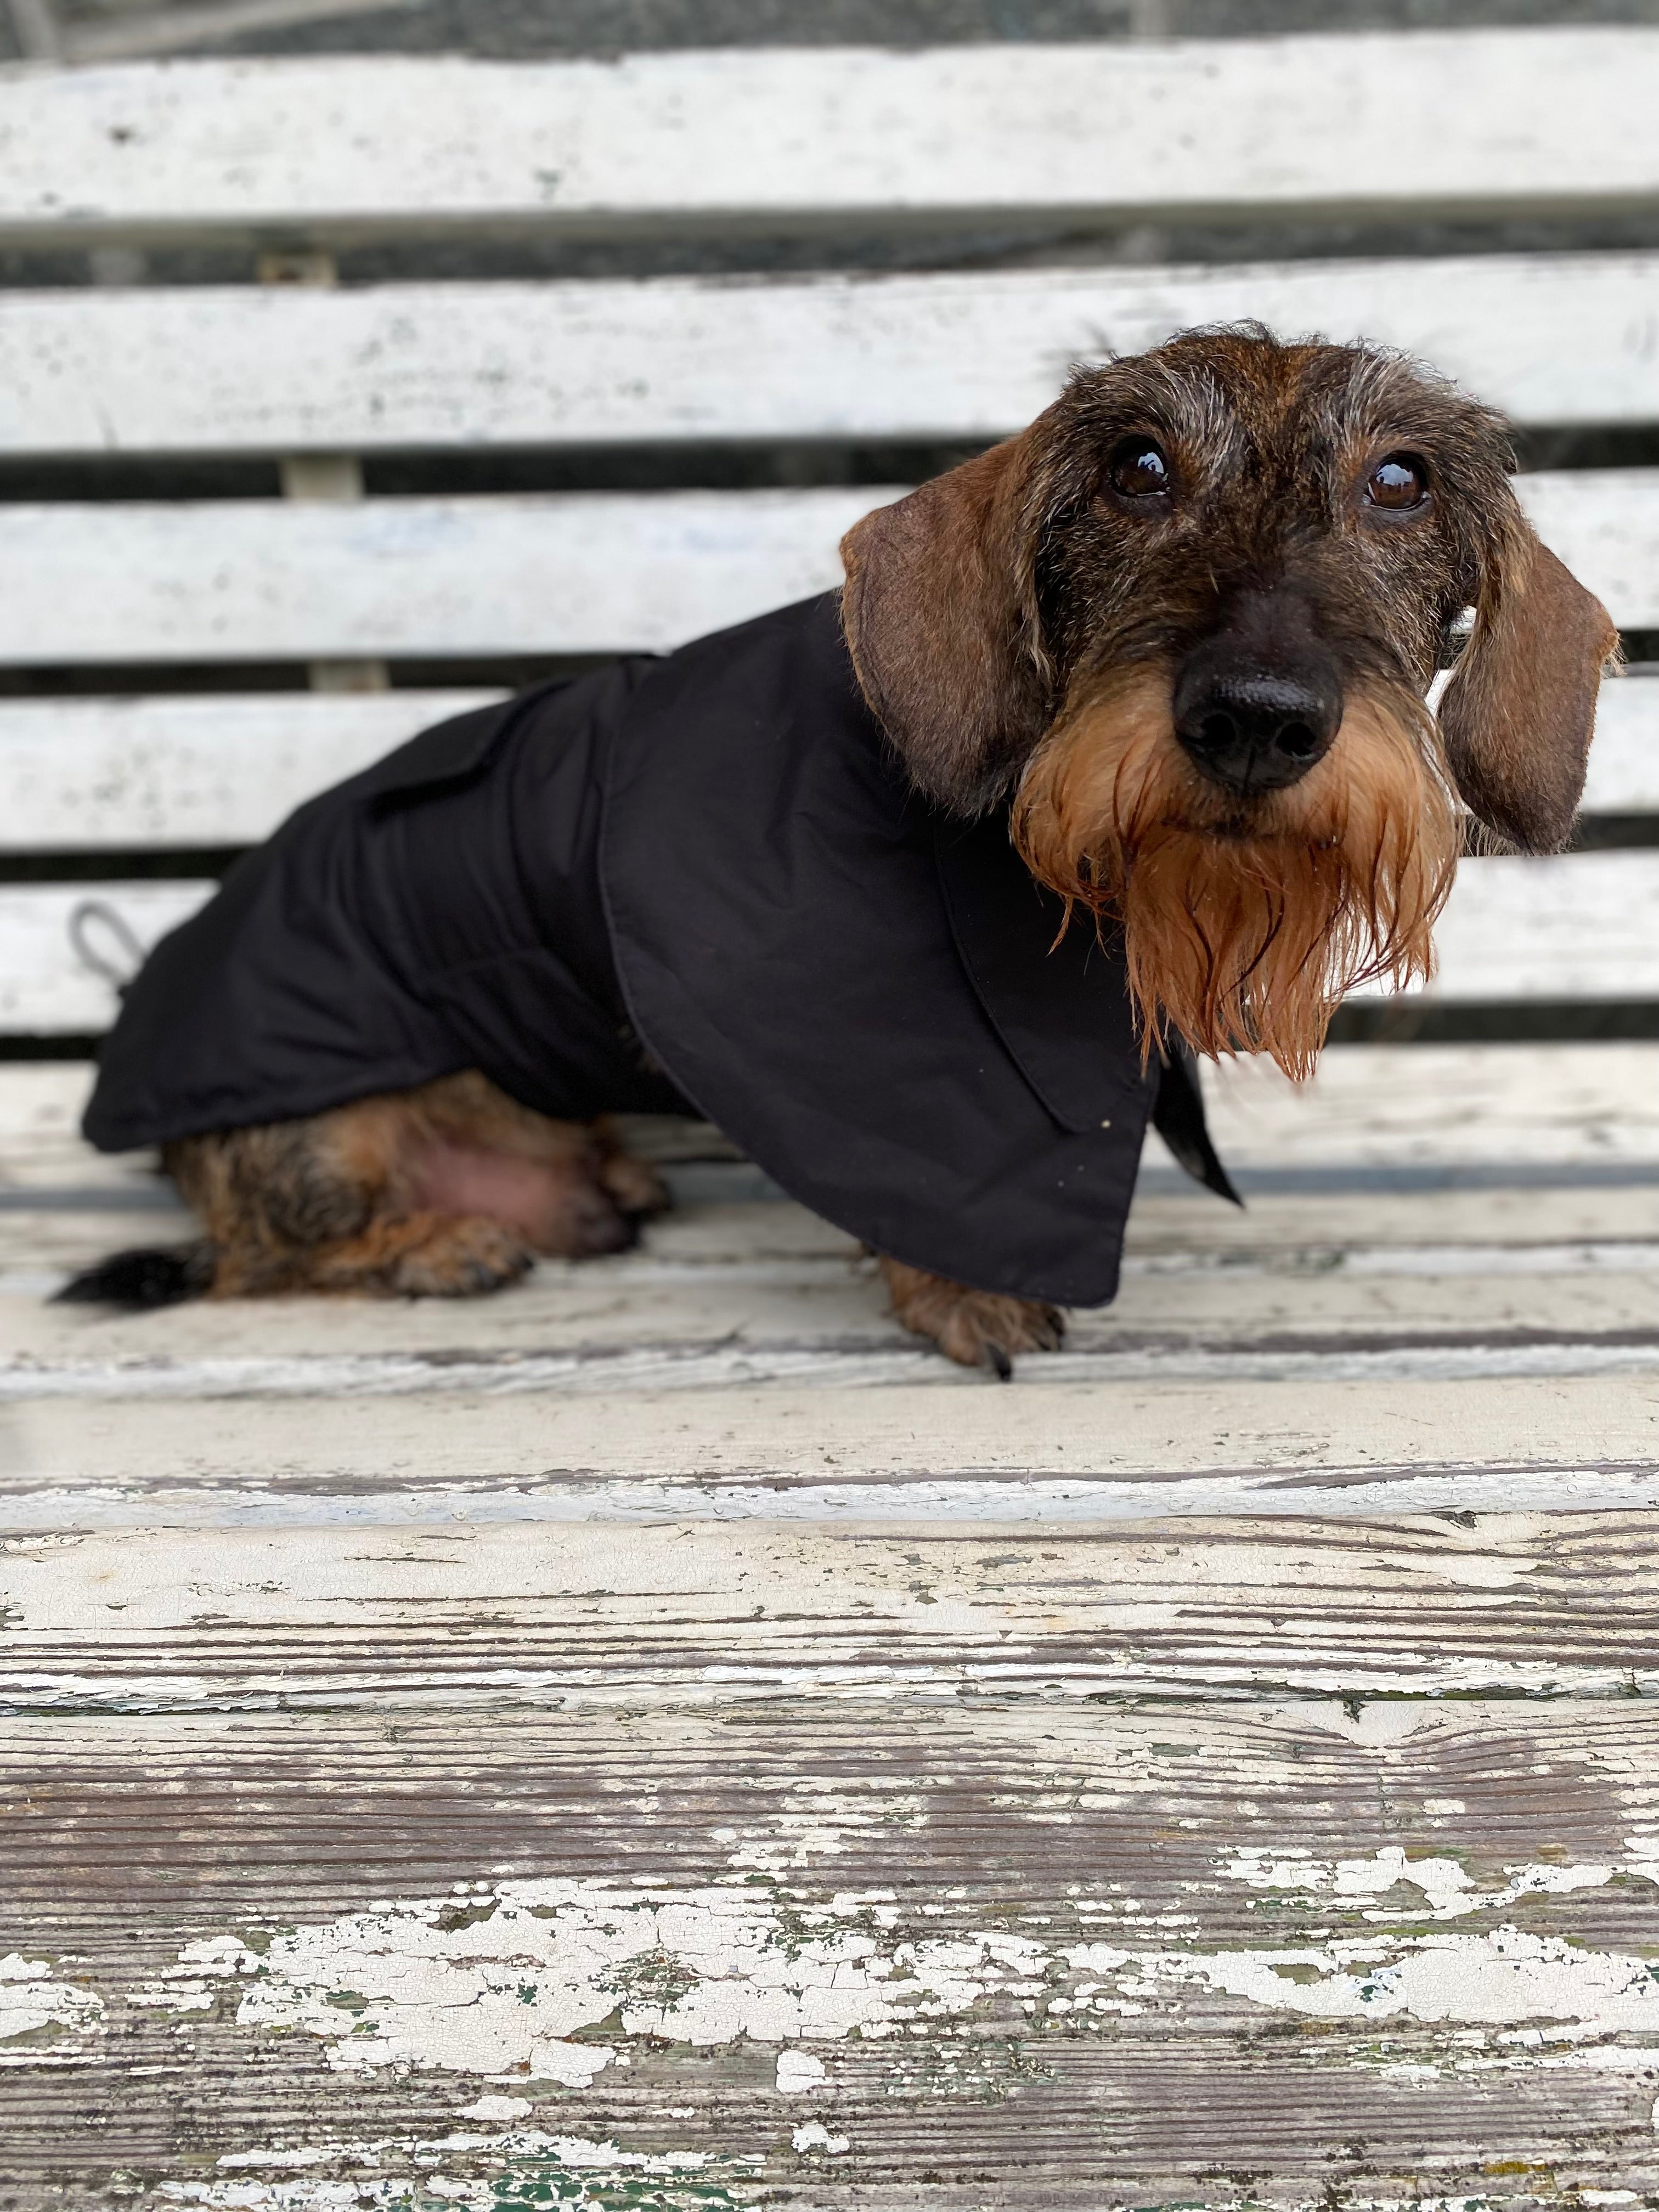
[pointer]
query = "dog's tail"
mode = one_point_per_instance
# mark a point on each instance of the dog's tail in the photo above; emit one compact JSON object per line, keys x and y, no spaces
{"x":136,"y":1281}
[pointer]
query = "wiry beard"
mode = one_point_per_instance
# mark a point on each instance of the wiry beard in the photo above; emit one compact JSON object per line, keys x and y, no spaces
{"x":1246,"y":922}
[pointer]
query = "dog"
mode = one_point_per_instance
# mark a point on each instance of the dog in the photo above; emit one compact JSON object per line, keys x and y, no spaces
{"x":1150,"y":676}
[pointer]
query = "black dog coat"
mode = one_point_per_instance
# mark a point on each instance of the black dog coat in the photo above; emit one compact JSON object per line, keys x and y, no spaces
{"x":696,"y":883}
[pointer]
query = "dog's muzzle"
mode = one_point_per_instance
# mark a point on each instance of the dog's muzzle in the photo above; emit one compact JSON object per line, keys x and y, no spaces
{"x":1252,"y":722}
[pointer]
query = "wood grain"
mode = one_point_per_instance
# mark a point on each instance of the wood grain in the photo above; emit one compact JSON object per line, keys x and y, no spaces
{"x":613,"y":1613}
{"x":1085,"y":1953}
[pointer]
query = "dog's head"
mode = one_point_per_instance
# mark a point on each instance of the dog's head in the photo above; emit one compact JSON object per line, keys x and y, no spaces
{"x":1186,"y":623}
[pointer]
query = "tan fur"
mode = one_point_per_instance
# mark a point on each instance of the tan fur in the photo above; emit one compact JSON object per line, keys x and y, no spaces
{"x":1244,"y":927}
{"x":976,"y":1328}
{"x":442,"y":1191}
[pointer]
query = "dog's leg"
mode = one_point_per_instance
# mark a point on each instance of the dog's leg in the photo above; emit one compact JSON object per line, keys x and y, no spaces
{"x":441,"y":1191}
{"x":324,"y":1203}
{"x":979,"y":1328}
{"x":639,"y":1191}
{"x":571,"y":1187}
{"x":421,"y":1255}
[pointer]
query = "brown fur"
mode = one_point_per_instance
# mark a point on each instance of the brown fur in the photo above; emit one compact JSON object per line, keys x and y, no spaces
{"x":441,"y":1192}
{"x":1244,"y":935}
{"x":1020,"y":627}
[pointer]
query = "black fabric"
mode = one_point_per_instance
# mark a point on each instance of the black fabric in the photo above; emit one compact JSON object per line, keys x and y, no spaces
{"x":439,"y":911}
{"x":856,"y":988}
{"x":697,"y":881}
{"x":1178,"y":1117}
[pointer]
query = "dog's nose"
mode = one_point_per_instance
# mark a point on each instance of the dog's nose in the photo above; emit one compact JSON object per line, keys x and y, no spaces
{"x":1253,"y":726}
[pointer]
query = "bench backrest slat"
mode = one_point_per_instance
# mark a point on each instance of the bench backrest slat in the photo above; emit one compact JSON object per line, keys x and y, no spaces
{"x":1555,"y":339}
{"x":227,"y":580}
{"x":790,"y":137}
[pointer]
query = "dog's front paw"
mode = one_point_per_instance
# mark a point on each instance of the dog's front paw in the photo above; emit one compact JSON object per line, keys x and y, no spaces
{"x":976,"y":1328}
{"x":634,"y":1187}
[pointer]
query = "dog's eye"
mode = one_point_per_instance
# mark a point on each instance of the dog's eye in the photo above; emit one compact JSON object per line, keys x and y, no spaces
{"x":1399,"y":481}
{"x":1138,"y":470}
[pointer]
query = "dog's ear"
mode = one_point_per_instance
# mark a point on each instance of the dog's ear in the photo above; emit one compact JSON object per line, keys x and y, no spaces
{"x":1519,"y":712}
{"x":941,"y":622}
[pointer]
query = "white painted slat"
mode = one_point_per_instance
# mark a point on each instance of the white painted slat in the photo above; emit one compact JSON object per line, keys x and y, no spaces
{"x":1549,"y":338}
{"x":1624,"y":761}
{"x":87,"y":774}
{"x":252,"y":579}
{"x":45,"y":989}
{"x":238,"y":579}
{"x":1573,"y":1116}
{"x":697,"y":1616}
{"x":945,"y":1453}
{"x":1604,"y":523}
{"x":121,"y":775}
{"x":1580,"y":926}
{"x":1585,"y":926}
{"x":1476,"y":120}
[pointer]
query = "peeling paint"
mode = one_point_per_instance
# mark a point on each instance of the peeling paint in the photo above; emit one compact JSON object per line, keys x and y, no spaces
{"x":44,"y":2021}
{"x":1500,"y":1977}
{"x":815,"y":2137}
{"x":1445,"y":1887}
{"x":507,"y":1985}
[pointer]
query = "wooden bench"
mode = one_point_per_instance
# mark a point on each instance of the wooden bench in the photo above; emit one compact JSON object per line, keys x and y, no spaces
{"x":661,"y":1737}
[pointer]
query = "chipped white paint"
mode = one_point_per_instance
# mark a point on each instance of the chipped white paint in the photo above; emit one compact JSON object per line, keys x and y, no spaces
{"x":1503,"y":1978}
{"x":44,"y":2021}
{"x":1447,"y":1888}
{"x":798,"y":2072}
{"x":579,"y":2163}
{"x":816,"y":2136}
{"x":501,"y":1981}
{"x":491,"y":2108}
{"x":507,"y":1980}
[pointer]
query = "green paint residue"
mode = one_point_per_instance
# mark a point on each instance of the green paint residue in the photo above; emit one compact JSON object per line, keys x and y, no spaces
{"x":545,"y":2182}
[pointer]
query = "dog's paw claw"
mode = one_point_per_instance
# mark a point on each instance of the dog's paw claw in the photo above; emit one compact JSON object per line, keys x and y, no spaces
{"x":976,"y":1328}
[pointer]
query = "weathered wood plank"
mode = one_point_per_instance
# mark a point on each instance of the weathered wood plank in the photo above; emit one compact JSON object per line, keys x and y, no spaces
{"x":1550,"y":338}
{"x":1624,"y":761}
{"x":1434,"y":1130}
{"x":1582,"y":927}
{"x":767,"y":1293}
{"x":786,"y":137}
{"x":128,"y":773}
{"x":236,"y":579}
{"x":949,"y":1454}
{"x":812,"y":1954}
{"x":47,"y":988}
{"x":83,"y":775}
{"x":1579,"y":926}
{"x":231,"y":580}
{"x":581,"y":1613}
